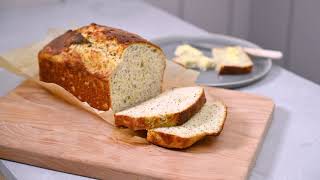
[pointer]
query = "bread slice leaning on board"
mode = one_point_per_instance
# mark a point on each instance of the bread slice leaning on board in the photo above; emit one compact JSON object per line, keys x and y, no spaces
{"x":208,"y":121}
{"x":171,"y":108}
{"x":104,"y":66}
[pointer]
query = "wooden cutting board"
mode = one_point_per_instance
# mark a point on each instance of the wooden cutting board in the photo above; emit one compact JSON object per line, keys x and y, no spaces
{"x":39,"y":129}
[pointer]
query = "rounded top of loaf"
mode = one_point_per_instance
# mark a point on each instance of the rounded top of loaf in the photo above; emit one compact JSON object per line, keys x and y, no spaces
{"x":105,"y":33}
{"x":95,"y":32}
{"x":96,"y":48}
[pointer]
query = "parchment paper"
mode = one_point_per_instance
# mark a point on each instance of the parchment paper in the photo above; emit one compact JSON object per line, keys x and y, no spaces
{"x":24,"y":62}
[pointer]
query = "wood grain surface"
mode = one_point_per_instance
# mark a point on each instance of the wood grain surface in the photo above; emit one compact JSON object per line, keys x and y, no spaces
{"x":39,"y":129}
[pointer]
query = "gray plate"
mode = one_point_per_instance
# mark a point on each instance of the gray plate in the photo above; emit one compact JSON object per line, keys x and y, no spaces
{"x":211,"y":78}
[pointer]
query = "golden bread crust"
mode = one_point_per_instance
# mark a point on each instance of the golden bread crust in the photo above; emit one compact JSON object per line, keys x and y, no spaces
{"x":101,"y":33}
{"x":74,"y":78}
{"x":141,"y":123}
{"x":171,"y":141}
{"x":96,"y":33}
{"x":235,"y":70}
{"x":62,"y":43}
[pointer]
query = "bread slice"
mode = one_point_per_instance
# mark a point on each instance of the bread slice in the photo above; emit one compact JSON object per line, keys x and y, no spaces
{"x":232,"y":60}
{"x":104,"y":66}
{"x":208,"y":121}
{"x":171,"y":108}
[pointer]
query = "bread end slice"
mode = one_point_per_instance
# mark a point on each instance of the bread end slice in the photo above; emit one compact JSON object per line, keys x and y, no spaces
{"x":208,"y":121}
{"x":160,"y":112}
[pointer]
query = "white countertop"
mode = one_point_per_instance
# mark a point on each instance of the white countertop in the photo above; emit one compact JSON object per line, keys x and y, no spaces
{"x":291,"y":149}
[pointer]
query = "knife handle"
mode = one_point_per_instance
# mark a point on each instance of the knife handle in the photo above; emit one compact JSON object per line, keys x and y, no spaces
{"x":272,"y":54}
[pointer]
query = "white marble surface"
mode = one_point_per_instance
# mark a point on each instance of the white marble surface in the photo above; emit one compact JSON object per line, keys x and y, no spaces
{"x":292,"y":145}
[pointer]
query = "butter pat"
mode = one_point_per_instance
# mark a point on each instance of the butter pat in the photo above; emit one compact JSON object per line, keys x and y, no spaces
{"x":187,"y":50}
{"x":190,"y":57}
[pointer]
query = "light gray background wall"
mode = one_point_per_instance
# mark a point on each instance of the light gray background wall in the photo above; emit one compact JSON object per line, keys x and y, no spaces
{"x":292,"y":26}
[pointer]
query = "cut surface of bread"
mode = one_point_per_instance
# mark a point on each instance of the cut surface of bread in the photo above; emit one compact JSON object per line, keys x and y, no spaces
{"x":208,"y":121}
{"x":104,"y":66}
{"x":138,"y":78}
{"x":231,"y":60}
{"x":170,"y":108}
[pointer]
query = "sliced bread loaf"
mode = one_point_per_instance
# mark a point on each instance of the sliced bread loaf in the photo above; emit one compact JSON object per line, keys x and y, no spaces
{"x":104,"y":66}
{"x":208,"y":121}
{"x":171,"y":108}
{"x":232,"y":60}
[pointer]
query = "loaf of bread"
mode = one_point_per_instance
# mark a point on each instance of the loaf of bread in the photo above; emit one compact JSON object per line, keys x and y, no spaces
{"x":171,"y":108}
{"x":103,"y":66}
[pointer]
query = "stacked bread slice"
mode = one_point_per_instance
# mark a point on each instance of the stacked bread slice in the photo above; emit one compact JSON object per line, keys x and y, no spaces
{"x":208,"y":121}
{"x":170,"y":108}
{"x":176,"y":118}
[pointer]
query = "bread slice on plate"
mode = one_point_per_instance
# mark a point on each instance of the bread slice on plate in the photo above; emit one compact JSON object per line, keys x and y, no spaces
{"x":232,"y":60}
{"x":171,"y":108}
{"x":208,"y":121}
